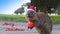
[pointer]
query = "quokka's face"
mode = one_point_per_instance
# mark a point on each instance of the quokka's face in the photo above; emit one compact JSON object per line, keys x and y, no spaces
{"x":30,"y":15}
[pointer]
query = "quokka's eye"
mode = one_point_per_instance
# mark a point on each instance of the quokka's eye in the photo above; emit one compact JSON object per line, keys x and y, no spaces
{"x":32,"y":12}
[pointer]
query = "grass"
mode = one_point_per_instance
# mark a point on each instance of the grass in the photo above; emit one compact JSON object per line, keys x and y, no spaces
{"x":12,"y":17}
{"x":55,"y":19}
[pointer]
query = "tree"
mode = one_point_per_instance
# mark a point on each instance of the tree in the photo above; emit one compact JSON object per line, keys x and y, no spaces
{"x":26,"y":4}
{"x":19,"y":10}
{"x":45,"y":5}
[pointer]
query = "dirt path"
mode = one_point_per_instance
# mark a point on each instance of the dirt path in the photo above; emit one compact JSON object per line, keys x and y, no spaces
{"x":56,"y":28}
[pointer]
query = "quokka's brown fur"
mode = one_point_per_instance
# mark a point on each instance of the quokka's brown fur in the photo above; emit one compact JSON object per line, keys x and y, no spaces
{"x":43,"y":23}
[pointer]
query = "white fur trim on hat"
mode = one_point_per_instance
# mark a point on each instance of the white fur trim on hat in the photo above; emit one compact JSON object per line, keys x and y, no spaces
{"x":30,"y":9}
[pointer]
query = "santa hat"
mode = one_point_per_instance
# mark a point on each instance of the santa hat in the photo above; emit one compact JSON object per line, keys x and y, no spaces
{"x":32,"y":8}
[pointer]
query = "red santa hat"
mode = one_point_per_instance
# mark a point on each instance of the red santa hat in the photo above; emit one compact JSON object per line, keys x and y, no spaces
{"x":32,"y":8}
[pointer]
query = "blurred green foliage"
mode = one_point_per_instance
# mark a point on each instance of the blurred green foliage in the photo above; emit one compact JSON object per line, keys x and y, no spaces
{"x":55,"y":19}
{"x":12,"y":17}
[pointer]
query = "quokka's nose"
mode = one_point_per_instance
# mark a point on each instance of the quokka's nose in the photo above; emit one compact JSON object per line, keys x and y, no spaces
{"x":29,"y":15}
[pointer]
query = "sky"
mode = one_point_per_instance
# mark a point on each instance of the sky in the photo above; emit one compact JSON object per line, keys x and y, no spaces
{"x":9,"y":6}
